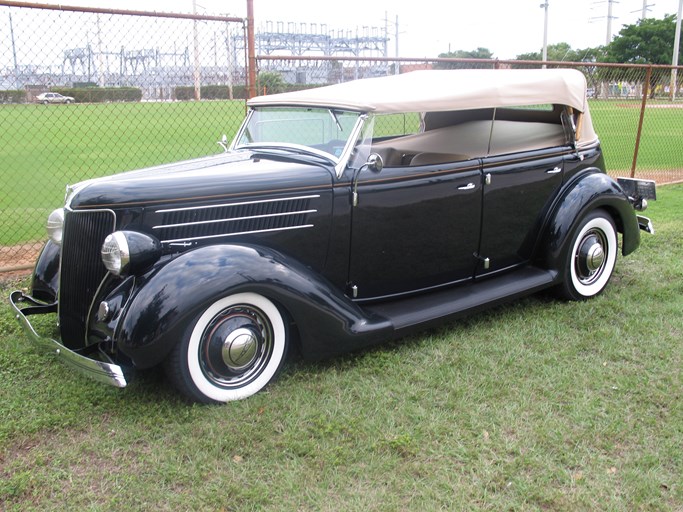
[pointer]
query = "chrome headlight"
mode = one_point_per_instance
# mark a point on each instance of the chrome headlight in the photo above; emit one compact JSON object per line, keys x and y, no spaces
{"x":129,"y":252}
{"x":55,"y":225}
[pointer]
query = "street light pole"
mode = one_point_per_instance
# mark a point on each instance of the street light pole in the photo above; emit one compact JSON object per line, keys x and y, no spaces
{"x":545,"y":33}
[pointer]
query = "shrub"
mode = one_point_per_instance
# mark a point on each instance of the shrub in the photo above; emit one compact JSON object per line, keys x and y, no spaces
{"x":100,"y":94}
{"x":210,"y":92}
{"x":12,"y":96}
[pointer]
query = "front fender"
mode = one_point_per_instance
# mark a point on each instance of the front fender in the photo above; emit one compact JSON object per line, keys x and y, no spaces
{"x":589,"y":191}
{"x":169,"y":300}
{"x":45,"y":283}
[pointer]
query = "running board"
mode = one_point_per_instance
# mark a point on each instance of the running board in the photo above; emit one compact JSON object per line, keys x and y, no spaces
{"x":422,"y":310}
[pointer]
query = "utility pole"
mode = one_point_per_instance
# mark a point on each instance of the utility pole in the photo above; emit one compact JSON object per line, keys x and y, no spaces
{"x":197,"y":73}
{"x":386,"y":34}
{"x":643,"y":12}
{"x":14,"y":52}
{"x":677,"y":45}
{"x":608,"y":38}
{"x":544,"y":57}
{"x":398,"y":70}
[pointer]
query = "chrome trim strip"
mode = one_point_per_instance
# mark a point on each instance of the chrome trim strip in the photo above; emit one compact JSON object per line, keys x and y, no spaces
{"x":235,"y":234}
{"x":233,"y":219}
{"x":107,"y":373}
{"x":350,"y":144}
{"x":206,"y":207}
{"x":243,"y":126}
{"x":300,"y":148}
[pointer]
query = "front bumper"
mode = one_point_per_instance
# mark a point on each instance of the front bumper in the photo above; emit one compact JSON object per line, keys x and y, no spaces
{"x":100,"y":371}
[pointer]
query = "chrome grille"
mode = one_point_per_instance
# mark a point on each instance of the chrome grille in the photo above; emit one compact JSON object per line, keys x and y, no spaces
{"x":82,"y":270}
{"x":205,"y":222}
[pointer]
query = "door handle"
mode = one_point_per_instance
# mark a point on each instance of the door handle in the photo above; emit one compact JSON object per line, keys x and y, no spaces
{"x":556,"y":170}
{"x":469,"y":186}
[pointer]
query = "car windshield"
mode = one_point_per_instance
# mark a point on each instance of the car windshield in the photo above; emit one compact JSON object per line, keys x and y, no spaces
{"x":318,"y":129}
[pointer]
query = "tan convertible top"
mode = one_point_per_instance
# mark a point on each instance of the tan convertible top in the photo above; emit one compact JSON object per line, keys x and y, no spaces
{"x":432,"y":91}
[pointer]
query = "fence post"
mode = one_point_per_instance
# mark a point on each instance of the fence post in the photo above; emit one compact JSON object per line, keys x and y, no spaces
{"x":251,"y":43}
{"x":646,"y":89}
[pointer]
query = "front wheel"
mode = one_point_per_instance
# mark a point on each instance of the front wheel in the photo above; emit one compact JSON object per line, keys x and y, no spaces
{"x":591,"y":257}
{"x":235,"y":348}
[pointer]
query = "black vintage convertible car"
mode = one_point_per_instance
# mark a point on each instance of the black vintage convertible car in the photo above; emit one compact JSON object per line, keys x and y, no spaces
{"x":339,"y":217}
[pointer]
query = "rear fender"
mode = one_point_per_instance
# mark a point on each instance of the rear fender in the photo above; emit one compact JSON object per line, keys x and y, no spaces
{"x":167,"y":302}
{"x":589,"y":191}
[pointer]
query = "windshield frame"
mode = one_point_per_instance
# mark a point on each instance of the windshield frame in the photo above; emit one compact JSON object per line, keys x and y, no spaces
{"x":339,"y":162}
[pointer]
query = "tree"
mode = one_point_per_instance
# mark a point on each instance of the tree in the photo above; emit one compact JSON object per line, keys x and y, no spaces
{"x":563,"y":52}
{"x":270,"y":82}
{"x":479,"y":53}
{"x":650,"y":41}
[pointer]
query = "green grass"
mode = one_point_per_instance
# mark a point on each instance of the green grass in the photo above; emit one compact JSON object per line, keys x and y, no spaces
{"x":47,"y":147}
{"x":616,"y":123}
{"x":538,"y":405}
{"x":51,"y":146}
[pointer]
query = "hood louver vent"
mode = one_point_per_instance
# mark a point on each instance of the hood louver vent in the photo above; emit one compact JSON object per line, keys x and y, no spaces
{"x":181,"y":225}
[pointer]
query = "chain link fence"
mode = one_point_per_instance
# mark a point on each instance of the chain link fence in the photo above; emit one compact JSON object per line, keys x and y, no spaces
{"x":637,"y":110}
{"x":88,"y":93}
{"x":91,"y":92}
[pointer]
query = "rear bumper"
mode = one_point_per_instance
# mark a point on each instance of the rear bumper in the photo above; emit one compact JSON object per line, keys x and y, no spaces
{"x":645,"y":224}
{"x":100,"y":371}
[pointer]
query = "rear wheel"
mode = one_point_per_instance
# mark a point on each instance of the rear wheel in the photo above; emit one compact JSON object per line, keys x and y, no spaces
{"x":235,"y":348}
{"x":591,"y":257}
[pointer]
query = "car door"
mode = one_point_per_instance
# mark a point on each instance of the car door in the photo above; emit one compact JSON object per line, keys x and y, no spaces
{"x":414,"y":228}
{"x":518,"y":190}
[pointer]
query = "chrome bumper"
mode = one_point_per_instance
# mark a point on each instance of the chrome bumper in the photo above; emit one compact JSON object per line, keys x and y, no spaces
{"x":107,"y":373}
{"x":645,"y":224}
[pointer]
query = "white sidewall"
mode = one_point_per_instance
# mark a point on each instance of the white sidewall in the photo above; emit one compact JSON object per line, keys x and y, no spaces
{"x":607,"y":228}
{"x":205,"y":386}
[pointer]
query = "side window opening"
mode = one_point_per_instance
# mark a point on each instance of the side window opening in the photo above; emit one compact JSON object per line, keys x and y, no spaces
{"x":443,"y":137}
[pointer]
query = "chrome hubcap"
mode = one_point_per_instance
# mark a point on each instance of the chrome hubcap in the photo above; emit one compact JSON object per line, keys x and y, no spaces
{"x":239,"y":349}
{"x":235,"y":346}
{"x":595,"y":257}
{"x":590,"y":257}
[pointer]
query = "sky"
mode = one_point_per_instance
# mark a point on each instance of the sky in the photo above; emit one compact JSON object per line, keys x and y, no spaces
{"x":427,"y":28}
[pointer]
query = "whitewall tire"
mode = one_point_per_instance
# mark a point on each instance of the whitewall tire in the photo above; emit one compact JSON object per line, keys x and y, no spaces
{"x":591,"y":257}
{"x":235,"y":348}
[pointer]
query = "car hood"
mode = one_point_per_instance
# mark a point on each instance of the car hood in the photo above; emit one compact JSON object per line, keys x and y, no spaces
{"x":226,"y":176}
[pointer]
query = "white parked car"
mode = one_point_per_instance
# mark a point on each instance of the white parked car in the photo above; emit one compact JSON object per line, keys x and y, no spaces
{"x":53,"y":97}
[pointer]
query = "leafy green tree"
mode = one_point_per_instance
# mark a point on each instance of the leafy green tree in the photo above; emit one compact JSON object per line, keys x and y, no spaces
{"x":563,"y":52}
{"x":270,"y":83}
{"x":479,"y":53}
{"x":649,"y":41}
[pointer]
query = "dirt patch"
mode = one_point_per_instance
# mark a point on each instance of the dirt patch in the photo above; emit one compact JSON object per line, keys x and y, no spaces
{"x":18,"y":260}
{"x":638,"y":105}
